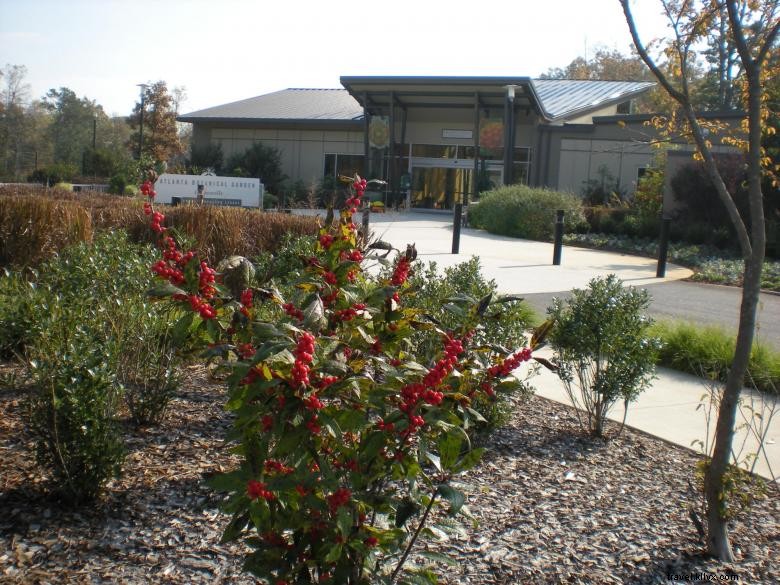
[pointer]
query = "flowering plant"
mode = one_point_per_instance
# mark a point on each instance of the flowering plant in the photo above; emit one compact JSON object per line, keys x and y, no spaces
{"x":347,"y":440}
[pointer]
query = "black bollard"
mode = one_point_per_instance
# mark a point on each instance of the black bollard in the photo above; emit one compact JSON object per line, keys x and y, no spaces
{"x":558,"y":245}
{"x":663,"y":247}
{"x":456,"y":228}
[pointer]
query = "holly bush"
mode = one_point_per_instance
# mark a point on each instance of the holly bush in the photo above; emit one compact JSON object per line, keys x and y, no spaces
{"x":348,"y":438}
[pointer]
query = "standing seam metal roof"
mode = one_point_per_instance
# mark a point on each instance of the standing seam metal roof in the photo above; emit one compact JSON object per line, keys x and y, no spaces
{"x":560,"y":98}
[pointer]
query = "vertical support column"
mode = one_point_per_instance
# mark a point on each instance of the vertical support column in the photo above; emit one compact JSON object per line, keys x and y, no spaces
{"x":663,"y":247}
{"x":366,"y":147}
{"x":475,"y":181}
{"x":391,"y":170}
{"x":404,"y":117}
{"x":509,"y":133}
{"x":558,"y":246}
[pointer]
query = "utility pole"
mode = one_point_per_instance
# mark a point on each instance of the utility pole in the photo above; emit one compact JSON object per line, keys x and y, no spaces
{"x":143,"y":87}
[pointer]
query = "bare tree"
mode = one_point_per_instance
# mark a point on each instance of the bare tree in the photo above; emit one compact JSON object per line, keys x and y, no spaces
{"x":754,"y":33}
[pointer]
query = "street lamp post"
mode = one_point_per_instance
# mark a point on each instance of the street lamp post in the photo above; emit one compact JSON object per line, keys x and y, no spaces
{"x":143,"y":87}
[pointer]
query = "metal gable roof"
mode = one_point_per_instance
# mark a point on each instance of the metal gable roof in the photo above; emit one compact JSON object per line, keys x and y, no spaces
{"x":559,"y":99}
{"x":287,"y":104}
{"x":562,"y":98}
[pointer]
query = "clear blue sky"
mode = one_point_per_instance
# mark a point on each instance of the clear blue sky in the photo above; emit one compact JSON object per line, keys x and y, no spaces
{"x":227,"y":50}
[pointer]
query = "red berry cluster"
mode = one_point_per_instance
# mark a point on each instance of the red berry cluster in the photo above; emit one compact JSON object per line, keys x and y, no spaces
{"x":303,"y":357}
{"x":148,"y":189}
{"x":313,"y":403}
{"x":326,"y":240}
{"x":359,"y":185}
{"x":512,"y":362}
{"x":246,"y":298}
{"x":350,"y":313}
{"x":330,"y":278}
{"x":383,"y":426}
{"x":157,"y":220}
{"x":325,"y":382}
{"x":246,"y":350}
{"x":426,"y":390}
{"x":202,"y":306}
{"x":401,"y":272}
{"x":164,"y":270}
{"x":273,"y":466}
{"x":339,"y":498}
{"x":351,"y":256}
{"x":257,"y":489}
{"x":206,"y":277}
{"x":293,"y":311}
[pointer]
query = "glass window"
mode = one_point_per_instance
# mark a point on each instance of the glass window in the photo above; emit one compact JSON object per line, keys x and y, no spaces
{"x":434,"y":150}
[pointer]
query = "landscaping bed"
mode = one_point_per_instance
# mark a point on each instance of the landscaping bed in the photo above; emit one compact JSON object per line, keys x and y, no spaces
{"x":550,"y":505}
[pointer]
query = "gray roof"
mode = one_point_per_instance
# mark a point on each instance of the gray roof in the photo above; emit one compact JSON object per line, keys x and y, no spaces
{"x":287,"y":104}
{"x":559,"y":99}
{"x":562,"y":98}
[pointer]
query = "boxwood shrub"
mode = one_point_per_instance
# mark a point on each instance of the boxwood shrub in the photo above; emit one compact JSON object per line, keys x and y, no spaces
{"x":524,"y":212}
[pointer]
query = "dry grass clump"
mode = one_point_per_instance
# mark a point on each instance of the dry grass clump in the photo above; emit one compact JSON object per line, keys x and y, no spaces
{"x":36,"y":222}
{"x":34,"y":228}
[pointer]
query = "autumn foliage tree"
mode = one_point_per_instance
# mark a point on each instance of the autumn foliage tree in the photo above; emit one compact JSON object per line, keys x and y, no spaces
{"x":753,"y":29}
{"x":160,"y":135}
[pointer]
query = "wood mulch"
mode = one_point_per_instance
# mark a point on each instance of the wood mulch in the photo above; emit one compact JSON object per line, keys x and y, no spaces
{"x":549,"y":506}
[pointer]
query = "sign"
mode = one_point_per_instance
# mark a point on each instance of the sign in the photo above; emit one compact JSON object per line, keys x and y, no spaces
{"x":449,"y":133}
{"x":233,"y":191}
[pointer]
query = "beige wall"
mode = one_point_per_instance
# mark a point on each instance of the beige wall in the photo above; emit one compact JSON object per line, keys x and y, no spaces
{"x":588,"y":118}
{"x":302,"y":150}
{"x":581,"y":158}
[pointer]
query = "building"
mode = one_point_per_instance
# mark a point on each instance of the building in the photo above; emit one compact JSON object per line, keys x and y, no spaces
{"x":441,"y":140}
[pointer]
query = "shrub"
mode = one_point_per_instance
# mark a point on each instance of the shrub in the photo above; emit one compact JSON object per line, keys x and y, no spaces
{"x":72,"y":412}
{"x":603,"y":348}
{"x":89,"y":314}
{"x":347,"y":441}
{"x":603,"y":190}
{"x":209,"y":156}
{"x":522,"y":212}
{"x":147,"y":360}
{"x":259,"y":161}
{"x":699,"y":201}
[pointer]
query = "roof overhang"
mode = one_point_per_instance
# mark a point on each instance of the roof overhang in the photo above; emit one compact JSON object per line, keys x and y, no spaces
{"x":277,"y":122}
{"x":377,"y":93}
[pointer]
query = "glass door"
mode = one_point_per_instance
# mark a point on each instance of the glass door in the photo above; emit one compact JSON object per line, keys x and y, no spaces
{"x":440,"y":184}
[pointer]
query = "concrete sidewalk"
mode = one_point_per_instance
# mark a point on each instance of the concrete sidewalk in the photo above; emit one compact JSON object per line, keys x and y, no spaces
{"x":670,"y":409}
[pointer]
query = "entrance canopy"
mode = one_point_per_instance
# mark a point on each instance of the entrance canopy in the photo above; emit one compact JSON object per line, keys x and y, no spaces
{"x":380,"y":93}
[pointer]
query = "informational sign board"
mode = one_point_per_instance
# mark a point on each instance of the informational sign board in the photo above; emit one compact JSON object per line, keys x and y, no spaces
{"x":232,"y":191}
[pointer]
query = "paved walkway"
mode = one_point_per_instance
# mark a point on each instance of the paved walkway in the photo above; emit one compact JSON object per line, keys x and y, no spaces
{"x":670,"y":409}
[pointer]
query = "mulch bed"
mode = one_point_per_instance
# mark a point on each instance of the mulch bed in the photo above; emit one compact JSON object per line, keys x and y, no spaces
{"x":550,"y":507}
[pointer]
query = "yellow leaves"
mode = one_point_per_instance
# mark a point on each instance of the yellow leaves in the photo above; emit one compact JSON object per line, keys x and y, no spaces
{"x":697,"y":156}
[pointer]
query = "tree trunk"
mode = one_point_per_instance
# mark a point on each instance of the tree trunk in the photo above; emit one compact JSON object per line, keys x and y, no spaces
{"x":716,"y":497}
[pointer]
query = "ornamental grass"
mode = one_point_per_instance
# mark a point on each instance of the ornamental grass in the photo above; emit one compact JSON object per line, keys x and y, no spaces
{"x":36,"y":222}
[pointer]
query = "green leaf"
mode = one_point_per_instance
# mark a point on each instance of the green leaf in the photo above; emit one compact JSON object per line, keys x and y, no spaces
{"x":234,"y":481}
{"x":314,"y":315}
{"x":433,"y":458}
{"x":456,"y":498}
{"x":438,"y":557}
{"x":181,"y":329}
{"x":406,"y":509}
{"x":449,"y":445}
{"x":344,"y":521}
{"x":469,"y":460}
{"x":164,"y":289}
{"x":334,"y":554}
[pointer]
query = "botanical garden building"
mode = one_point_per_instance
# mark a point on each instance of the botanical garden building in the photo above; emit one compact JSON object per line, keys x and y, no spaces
{"x":437,"y":141}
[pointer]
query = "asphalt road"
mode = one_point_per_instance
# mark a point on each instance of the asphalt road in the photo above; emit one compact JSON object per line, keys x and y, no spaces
{"x":704,"y":304}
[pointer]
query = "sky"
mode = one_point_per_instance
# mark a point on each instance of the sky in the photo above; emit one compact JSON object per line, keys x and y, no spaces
{"x":222,"y":51}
